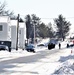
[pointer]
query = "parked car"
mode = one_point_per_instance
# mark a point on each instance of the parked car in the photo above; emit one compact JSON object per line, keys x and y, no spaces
{"x":40,"y":45}
{"x":30,"y":48}
{"x":6,"y":44}
{"x":70,"y":45}
{"x":3,"y":47}
{"x":51,"y":46}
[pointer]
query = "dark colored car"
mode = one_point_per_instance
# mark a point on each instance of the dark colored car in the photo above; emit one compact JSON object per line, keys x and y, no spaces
{"x":3,"y":47}
{"x":70,"y":45}
{"x":30,"y":48}
{"x":51,"y":46}
{"x":5,"y":44}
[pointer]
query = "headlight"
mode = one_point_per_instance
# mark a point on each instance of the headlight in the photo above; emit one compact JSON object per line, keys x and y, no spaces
{"x":7,"y":47}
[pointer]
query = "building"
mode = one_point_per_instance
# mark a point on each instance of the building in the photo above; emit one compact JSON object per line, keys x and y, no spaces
{"x":22,"y":35}
{"x":8,"y":32}
{"x":4,"y":28}
{"x":13,"y":33}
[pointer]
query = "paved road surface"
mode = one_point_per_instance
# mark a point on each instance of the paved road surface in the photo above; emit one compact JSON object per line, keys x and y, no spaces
{"x":33,"y":64}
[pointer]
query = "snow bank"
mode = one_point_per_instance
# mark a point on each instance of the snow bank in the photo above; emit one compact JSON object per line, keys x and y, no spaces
{"x":43,"y":62}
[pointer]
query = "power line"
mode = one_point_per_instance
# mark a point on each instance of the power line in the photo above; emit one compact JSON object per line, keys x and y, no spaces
{"x":48,"y":18}
{"x":65,"y":18}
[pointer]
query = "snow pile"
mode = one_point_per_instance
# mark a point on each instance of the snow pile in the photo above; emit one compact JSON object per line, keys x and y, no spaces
{"x":43,"y":41}
{"x":43,"y":62}
{"x":65,"y":69}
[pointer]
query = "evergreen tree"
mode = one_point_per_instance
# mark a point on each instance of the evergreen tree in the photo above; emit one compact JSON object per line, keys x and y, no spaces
{"x":43,"y":30}
{"x":36,"y":22}
{"x":50,"y":31}
{"x":62,"y":26}
{"x":28,"y":26}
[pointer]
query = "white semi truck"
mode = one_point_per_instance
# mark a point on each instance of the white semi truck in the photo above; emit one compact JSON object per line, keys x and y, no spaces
{"x":8,"y":32}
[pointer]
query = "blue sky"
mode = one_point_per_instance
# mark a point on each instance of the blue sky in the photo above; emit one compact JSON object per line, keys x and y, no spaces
{"x":42,"y":8}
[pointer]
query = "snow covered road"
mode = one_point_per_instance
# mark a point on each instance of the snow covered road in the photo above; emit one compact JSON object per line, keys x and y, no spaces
{"x":43,"y":62}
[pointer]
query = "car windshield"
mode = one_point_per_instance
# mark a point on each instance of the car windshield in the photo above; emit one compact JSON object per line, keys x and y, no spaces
{"x":30,"y":45}
{"x":2,"y":45}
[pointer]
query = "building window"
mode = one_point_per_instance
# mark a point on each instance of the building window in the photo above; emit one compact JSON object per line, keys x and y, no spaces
{"x":1,"y":27}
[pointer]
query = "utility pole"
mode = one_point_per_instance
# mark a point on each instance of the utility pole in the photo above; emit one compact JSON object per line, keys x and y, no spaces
{"x":34,"y":34}
{"x":17,"y":32}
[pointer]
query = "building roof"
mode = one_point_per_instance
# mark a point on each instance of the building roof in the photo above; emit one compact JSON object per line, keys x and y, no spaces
{"x":4,"y":19}
{"x":21,"y":25}
{"x":13,"y":22}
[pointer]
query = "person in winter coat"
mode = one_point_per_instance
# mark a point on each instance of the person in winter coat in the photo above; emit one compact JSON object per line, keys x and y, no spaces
{"x":59,"y":45}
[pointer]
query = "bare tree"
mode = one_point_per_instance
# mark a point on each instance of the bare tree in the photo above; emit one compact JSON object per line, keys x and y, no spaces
{"x":3,"y":10}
